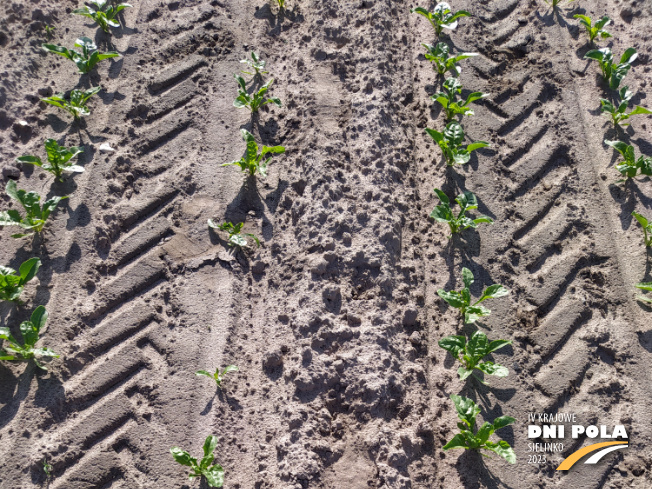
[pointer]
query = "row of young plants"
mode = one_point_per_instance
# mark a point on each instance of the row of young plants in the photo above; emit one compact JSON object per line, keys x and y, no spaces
{"x":615,"y":107}
{"x":470,"y":352}
{"x":59,"y":162}
{"x":254,"y":162}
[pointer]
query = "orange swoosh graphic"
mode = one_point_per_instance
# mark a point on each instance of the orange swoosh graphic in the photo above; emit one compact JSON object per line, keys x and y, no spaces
{"x":575,"y":456}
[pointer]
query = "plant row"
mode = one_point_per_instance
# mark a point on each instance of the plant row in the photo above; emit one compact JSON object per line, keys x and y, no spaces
{"x":615,"y":106}
{"x":59,"y":161}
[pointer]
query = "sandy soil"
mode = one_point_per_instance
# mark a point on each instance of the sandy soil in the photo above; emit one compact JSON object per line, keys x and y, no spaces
{"x":334,"y":320}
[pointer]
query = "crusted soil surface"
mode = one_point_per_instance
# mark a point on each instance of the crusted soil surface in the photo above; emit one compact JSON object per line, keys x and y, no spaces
{"x":334,"y":320}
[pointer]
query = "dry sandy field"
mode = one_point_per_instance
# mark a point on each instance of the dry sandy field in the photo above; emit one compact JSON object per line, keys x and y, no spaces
{"x":334,"y":321}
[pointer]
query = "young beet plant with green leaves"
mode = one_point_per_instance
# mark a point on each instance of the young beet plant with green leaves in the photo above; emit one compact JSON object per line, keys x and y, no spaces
{"x":14,"y":351}
{"x":645,"y":286}
{"x":597,"y":29}
{"x":103,"y":13}
{"x":470,"y":354}
{"x":76,"y":106}
{"x":647,"y":228}
{"x":612,"y":72}
{"x":218,"y":376}
{"x":252,"y":162}
{"x":618,"y":114}
{"x":256,"y":64}
{"x":450,"y":142}
{"x":255,"y":100}
{"x":86,"y":59}
{"x":448,"y":99}
{"x":442,"y":17}
{"x":35,"y":215}
{"x":461,"y":300}
{"x":59,"y":159}
{"x":237,"y":238}
{"x":214,"y":473}
{"x":439,"y":55}
{"x":467,"y":202}
{"x":12,"y":283}
{"x":471,"y":439}
{"x":631,"y":166}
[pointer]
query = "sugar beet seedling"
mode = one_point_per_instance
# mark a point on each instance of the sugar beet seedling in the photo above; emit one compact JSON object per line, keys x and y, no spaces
{"x":35,"y":215}
{"x":647,"y":228}
{"x":597,"y":29}
{"x":448,"y":99}
{"x":617,"y":113}
{"x":214,"y":473}
{"x":12,"y":283}
{"x":76,"y":106}
{"x":461,"y":300}
{"x":612,"y":72}
{"x":467,"y":202}
{"x":470,"y":354}
{"x":470,"y":439}
{"x":86,"y":59}
{"x":59,"y":159}
{"x":645,"y":286}
{"x":631,"y":166}
{"x":236,"y":237}
{"x":256,"y":64}
{"x":14,"y":351}
{"x":255,"y":100}
{"x":218,"y":376}
{"x":104,"y":17}
{"x":450,"y":142}
{"x":441,"y":17}
{"x":252,"y":162}
{"x":439,"y":55}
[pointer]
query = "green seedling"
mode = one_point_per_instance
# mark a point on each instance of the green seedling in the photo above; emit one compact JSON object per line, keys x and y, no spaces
{"x":618,"y":113}
{"x":467,"y":202}
{"x":59,"y":159}
{"x":647,"y":228}
{"x":470,"y":354}
{"x":471,"y":439}
{"x":439,"y":55}
{"x":49,"y":31}
{"x":612,"y":72}
{"x":596,"y":30}
{"x":448,"y":99}
{"x":630,"y":167}
{"x":47,"y":468}
{"x":35,"y":215}
{"x":461,"y":300}
{"x":86,"y":59}
{"x":441,"y":17}
{"x":217,"y":376}
{"x":255,"y":100}
{"x":214,"y":473}
{"x":281,"y":4}
{"x":256,"y":64}
{"x":450,"y":143}
{"x":77,"y":103}
{"x":29,"y":330}
{"x":644,"y":286}
{"x":12,"y":283}
{"x":105,"y":18}
{"x":253,"y":162}
{"x":236,"y":237}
